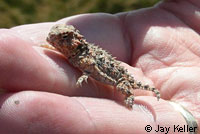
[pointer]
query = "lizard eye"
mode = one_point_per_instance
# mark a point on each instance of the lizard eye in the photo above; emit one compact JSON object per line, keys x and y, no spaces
{"x":67,"y":38}
{"x":64,"y":37}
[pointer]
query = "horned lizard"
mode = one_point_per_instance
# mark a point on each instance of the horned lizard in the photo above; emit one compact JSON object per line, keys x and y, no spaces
{"x":95,"y":62}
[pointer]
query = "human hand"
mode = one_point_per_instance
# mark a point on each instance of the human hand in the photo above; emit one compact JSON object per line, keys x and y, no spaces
{"x":160,"y":44}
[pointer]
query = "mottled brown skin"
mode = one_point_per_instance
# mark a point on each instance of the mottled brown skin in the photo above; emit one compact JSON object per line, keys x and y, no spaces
{"x":94,"y":61}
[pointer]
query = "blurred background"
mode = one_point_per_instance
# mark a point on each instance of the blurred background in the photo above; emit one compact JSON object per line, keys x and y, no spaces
{"x":17,"y":12}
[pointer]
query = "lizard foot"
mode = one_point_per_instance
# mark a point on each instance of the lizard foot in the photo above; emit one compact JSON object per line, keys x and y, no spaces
{"x":80,"y":80}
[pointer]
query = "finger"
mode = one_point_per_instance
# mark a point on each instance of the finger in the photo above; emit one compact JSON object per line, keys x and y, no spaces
{"x":36,"y":33}
{"x":24,"y":67}
{"x":39,"y":112}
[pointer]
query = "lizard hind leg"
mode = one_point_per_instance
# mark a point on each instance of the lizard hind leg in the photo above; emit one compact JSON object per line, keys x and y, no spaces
{"x":82,"y":78}
{"x":125,"y":87}
{"x":129,"y":100}
{"x":156,"y":92}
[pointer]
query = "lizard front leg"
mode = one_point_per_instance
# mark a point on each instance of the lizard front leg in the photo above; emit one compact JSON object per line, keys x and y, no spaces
{"x":48,"y":46}
{"x":82,"y":78}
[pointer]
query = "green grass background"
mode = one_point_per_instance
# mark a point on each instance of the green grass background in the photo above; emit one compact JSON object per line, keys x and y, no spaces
{"x":17,"y":12}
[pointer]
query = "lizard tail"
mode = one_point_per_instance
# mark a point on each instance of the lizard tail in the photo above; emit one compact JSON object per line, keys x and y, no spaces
{"x":148,"y":88}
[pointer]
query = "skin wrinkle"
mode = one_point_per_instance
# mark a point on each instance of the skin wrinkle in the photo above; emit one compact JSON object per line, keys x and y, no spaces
{"x":178,"y":88}
{"x":126,"y":37}
{"x":187,"y":48}
{"x":132,"y":62}
{"x":143,"y":106}
{"x":145,"y":73}
{"x":165,"y":81}
{"x":88,"y":113}
{"x":185,"y":97}
{"x":147,"y":109}
{"x":163,"y":62}
{"x":52,"y":85}
{"x":188,"y":103}
{"x":192,"y":51}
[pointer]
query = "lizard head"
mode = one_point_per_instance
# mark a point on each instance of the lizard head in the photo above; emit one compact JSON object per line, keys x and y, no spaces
{"x":65,"y":38}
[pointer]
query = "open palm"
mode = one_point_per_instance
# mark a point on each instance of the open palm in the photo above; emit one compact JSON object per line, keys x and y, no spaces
{"x":159,"y":46}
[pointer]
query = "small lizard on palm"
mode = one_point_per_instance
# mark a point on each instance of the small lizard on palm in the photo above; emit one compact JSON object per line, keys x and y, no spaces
{"x":94,"y":62}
